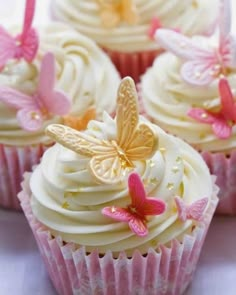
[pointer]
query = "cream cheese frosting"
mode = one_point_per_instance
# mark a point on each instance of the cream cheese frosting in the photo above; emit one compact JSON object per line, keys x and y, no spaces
{"x":190,"y":16}
{"x":68,"y":200}
{"x":167,"y":100}
{"x":83,"y":72}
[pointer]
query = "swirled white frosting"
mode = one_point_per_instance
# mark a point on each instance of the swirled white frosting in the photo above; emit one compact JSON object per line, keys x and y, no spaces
{"x":191,"y":17}
{"x":83,"y":72}
{"x":167,"y":99}
{"x":63,"y":178}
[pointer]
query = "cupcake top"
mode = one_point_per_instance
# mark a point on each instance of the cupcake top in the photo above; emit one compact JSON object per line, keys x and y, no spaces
{"x":79,"y":70}
{"x":190,"y":91}
{"x":123,"y":25}
{"x":122,"y":184}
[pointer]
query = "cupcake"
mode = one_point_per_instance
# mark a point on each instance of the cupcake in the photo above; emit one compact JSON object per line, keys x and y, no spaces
{"x":123,"y":28}
{"x":189,"y":92}
{"x":38,"y":67}
{"x":122,"y":207}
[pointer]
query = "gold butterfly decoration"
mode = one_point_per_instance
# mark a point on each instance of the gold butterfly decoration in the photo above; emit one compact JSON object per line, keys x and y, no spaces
{"x":114,"y":11}
{"x":111,"y":160}
{"x":81,"y":122}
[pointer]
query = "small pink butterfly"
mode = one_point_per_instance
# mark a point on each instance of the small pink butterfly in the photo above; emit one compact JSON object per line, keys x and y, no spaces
{"x":222,"y":121}
{"x":141,"y":206}
{"x":202,"y":65}
{"x":24,"y":45}
{"x":156,"y":25}
{"x":31,"y":110}
{"x":193,"y":211}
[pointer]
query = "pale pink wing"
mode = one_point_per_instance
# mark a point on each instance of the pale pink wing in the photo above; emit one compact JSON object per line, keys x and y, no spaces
{"x":224,"y":21}
{"x":181,"y":45}
{"x":153,"y":206}
{"x":28,"y":17}
{"x":30,"y":119}
{"x":137,"y":192}
{"x":196,"y":210}
{"x":117,"y":213}
{"x":227,"y":100}
{"x":138,"y":227}
{"x":16,"y":99}
{"x":155,"y":25}
{"x":7,"y":47}
{"x":199,"y":72}
{"x":182,"y":208}
{"x":56,"y":102}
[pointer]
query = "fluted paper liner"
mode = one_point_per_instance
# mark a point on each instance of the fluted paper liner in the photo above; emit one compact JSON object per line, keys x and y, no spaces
{"x":166,"y":270}
{"x":14,"y":161}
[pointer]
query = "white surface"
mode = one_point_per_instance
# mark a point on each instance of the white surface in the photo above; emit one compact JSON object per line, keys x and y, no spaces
{"x":21,"y":269}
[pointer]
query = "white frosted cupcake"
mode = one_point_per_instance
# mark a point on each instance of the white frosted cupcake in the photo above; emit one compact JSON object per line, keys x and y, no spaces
{"x":122,"y":27}
{"x":189,"y":92}
{"x":76,"y":67}
{"x":116,"y":206}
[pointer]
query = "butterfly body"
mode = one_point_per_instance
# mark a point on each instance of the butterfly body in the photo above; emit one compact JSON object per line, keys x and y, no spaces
{"x":141,"y":206}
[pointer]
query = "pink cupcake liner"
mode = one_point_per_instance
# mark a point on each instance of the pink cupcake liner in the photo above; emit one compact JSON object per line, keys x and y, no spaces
{"x":224,"y":167}
{"x":14,"y":161}
{"x":166,"y":270}
{"x":133,"y":64}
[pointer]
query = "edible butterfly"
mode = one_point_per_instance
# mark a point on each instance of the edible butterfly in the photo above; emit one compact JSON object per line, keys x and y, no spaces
{"x":80,"y":123}
{"x":32,"y":110}
{"x":140,"y":207}
{"x":222,"y":121}
{"x":193,"y":211}
{"x":24,"y":45}
{"x":110,"y":160}
{"x":114,"y":11}
{"x":203,"y":65}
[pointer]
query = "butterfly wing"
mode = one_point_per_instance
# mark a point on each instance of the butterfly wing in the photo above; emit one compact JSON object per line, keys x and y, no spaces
{"x":195,"y":210}
{"x":137,"y":192}
{"x":56,"y":102}
{"x":81,"y":122}
{"x":202,"y":115}
{"x":155,"y":25}
{"x":224,"y":21}
{"x":138,"y":227}
{"x":221,"y":128}
{"x":138,"y":143}
{"x":117,"y":213}
{"x":181,"y":208}
{"x":30,"y":119}
{"x":182,"y":46}
{"x":7,"y":47}
{"x":227,"y":100}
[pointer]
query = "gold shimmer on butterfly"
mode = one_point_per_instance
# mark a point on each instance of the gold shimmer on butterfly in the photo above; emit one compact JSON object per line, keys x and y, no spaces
{"x":112,"y":12}
{"x":111,"y":160}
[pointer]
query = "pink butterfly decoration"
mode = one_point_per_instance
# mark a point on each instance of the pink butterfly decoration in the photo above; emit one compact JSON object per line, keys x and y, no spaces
{"x":223,"y":121}
{"x":156,"y":25}
{"x":24,"y":45}
{"x":32,"y":110}
{"x":203,"y":65}
{"x":141,"y":206}
{"x":193,"y":211}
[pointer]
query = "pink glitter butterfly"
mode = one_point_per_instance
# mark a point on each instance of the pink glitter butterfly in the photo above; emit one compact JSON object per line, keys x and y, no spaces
{"x":193,"y":211}
{"x":156,"y":25}
{"x":24,"y":45}
{"x":32,"y":110}
{"x":223,"y":121}
{"x":203,"y":65}
{"x":141,"y":206}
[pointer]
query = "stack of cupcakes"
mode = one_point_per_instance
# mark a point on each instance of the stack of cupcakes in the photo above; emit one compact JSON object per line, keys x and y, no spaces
{"x":46,"y":77}
{"x":189,"y":92}
{"x":123,"y":28}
